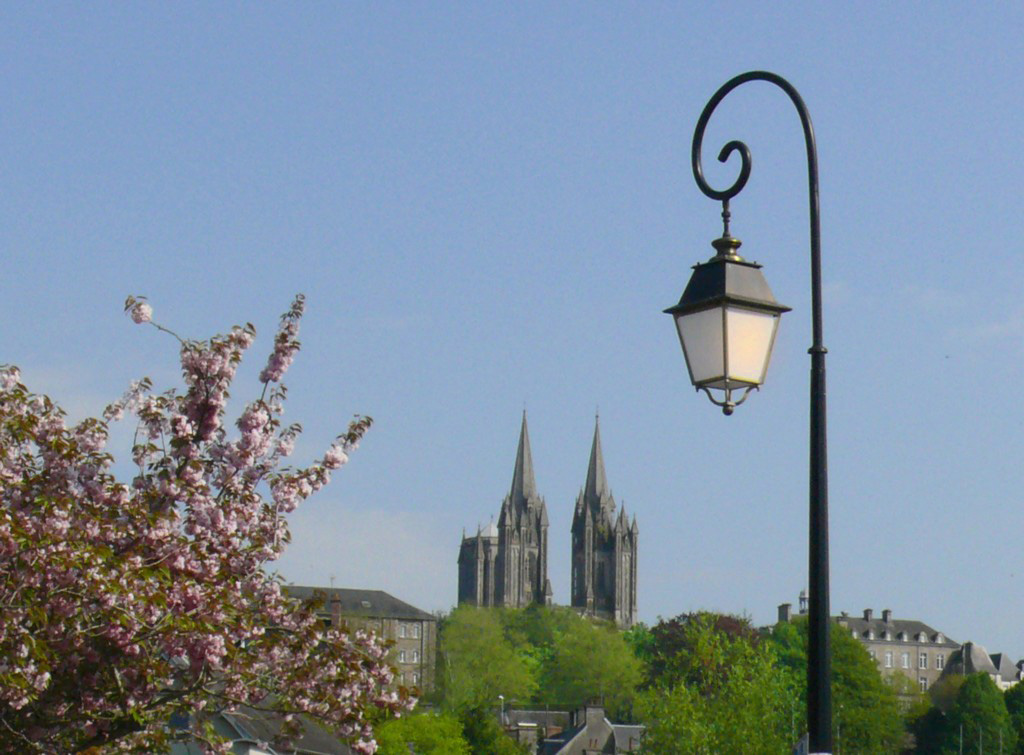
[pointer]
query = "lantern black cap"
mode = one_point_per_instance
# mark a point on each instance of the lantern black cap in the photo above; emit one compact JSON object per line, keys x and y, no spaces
{"x":726,"y":278}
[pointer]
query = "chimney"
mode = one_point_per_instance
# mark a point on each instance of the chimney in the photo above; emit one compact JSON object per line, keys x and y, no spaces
{"x":785,"y":612}
{"x":867,"y":614}
{"x":887,"y":616}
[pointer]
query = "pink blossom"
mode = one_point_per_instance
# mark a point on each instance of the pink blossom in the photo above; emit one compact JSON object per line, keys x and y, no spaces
{"x":159,"y":584}
{"x":141,"y":312}
{"x":9,"y":377}
{"x":335,"y":457}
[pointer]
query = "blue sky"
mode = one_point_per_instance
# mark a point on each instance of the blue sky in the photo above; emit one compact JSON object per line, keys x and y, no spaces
{"x":488,"y":206}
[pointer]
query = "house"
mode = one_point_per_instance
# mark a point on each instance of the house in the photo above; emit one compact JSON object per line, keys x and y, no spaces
{"x":590,"y":732}
{"x":413,"y":631}
{"x":899,"y":646}
{"x":250,"y":731}
{"x":973,"y":658}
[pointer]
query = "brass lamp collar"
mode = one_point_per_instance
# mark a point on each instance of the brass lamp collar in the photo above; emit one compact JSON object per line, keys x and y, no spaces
{"x":726,"y":248}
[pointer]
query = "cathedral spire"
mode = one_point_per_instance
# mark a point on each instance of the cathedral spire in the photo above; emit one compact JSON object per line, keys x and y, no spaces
{"x":524,"y":486}
{"x":597,"y":484}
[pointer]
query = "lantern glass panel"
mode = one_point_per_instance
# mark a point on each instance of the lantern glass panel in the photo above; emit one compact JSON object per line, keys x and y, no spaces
{"x":701,"y":336}
{"x":749,"y":338}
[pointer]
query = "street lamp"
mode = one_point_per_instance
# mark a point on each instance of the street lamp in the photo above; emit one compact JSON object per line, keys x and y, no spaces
{"x":726,"y":320}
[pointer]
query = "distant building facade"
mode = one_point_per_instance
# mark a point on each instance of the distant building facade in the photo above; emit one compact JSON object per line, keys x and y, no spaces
{"x":507,"y":564}
{"x":604,"y":549}
{"x":899,"y":646}
{"x":413,"y":631}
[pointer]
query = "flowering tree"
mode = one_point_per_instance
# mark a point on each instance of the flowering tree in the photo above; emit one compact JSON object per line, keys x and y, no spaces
{"x":126,"y":605}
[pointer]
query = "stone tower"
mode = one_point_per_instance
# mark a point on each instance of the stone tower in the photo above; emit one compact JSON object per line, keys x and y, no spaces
{"x":507,"y":564}
{"x":604,"y":549}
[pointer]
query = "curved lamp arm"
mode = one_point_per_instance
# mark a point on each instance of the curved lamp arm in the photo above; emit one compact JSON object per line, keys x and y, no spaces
{"x":819,"y":698}
{"x":737,"y":146}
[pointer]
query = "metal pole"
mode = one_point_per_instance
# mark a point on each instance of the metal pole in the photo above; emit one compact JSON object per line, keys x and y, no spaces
{"x":819,"y":692}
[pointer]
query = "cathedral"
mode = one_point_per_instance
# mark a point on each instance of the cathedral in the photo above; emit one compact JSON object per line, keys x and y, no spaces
{"x":507,"y":564}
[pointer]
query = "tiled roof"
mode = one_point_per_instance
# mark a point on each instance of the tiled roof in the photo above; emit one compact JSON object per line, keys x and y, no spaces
{"x":370,"y":603}
{"x":909,"y":627}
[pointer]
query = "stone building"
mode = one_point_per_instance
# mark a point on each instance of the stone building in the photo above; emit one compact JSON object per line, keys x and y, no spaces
{"x":591,"y":732}
{"x":604,"y":549}
{"x":973,"y":658}
{"x":413,"y":632}
{"x":898,"y":646}
{"x":507,"y":564}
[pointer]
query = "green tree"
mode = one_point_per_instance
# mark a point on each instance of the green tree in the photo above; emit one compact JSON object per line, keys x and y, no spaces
{"x":720,"y":692}
{"x":867,"y":713}
{"x":1014,"y":699}
{"x":591,"y":661}
{"x":981,"y":711}
{"x":478,"y":662}
{"x":640,"y":638}
{"x":428,"y":734}
{"x":668,"y":647}
{"x":485,"y":735}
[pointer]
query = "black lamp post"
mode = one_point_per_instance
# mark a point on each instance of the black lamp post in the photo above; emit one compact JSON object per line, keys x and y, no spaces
{"x":727,"y":318}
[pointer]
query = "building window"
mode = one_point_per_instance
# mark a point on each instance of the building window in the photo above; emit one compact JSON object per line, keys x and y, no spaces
{"x":871,"y":634}
{"x":905,"y":659}
{"x":415,"y":677}
{"x":922,"y":660}
{"x":923,"y":682}
{"x":940,"y":661}
{"x":401,"y":631}
{"x":888,"y":659}
{"x":415,"y":656}
{"x":939,"y":638}
{"x":401,"y":656}
{"x":872,"y":654}
{"x":415,"y":631}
